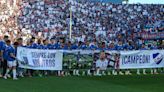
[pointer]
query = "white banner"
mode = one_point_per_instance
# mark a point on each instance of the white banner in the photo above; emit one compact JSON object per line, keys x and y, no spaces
{"x":39,"y":59}
{"x":141,"y":59}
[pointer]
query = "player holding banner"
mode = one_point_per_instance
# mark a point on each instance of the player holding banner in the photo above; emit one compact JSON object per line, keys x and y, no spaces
{"x":101,"y":64}
{"x":10,"y":52}
{"x":117,"y":70}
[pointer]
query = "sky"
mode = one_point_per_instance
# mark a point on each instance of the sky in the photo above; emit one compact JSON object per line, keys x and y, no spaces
{"x":147,"y":1}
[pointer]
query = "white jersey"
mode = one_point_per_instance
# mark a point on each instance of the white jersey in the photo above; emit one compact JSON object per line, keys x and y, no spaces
{"x":102,"y":64}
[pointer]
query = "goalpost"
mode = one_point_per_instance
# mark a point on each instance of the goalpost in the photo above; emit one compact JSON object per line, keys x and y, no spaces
{"x":70,"y":24}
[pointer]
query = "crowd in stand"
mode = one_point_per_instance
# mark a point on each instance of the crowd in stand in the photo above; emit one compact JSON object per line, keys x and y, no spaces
{"x":9,"y":11}
{"x":110,"y":25}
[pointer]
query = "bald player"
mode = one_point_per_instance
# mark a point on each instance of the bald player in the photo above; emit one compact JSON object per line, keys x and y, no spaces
{"x":101,"y":64}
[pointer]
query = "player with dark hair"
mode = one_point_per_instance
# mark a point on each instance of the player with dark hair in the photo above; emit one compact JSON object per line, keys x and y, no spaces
{"x":2,"y":51}
{"x":20,"y":44}
{"x":10,"y":52}
{"x":116,"y":65}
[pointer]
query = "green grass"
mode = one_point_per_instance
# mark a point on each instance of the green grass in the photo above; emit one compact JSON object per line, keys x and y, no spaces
{"x":134,"y":83}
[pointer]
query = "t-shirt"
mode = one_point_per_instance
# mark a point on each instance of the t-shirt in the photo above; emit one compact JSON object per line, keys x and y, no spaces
{"x":119,"y":47}
{"x":10,"y":49}
{"x":34,"y":45}
{"x":2,"y":43}
{"x":40,"y":46}
{"x":102,"y":64}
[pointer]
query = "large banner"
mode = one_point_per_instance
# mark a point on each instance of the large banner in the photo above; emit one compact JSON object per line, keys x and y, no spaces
{"x":86,"y":59}
{"x":77,"y":59}
{"x":39,"y":59}
{"x":141,"y":59}
{"x":143,"y":35}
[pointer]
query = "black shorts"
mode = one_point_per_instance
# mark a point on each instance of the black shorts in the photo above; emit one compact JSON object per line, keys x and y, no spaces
{"x":0,"y":62}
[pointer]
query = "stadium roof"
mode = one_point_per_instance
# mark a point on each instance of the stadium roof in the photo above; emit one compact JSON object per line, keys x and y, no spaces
{"x":105,"y":1}
{"x":147,"y":1}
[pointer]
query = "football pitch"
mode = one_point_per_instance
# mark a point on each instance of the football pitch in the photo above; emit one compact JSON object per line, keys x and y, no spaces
{"x":130,"y":83}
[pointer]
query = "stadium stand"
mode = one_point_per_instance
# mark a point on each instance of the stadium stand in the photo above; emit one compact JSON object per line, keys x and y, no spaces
{"x":97,"y":22}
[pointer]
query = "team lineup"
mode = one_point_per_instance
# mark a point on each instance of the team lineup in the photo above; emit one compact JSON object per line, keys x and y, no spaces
{"x":102,"y":64}
{"x":81,"y":45}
